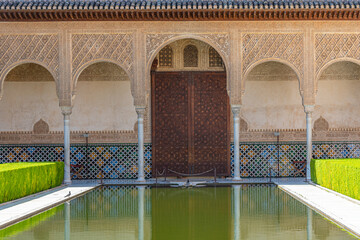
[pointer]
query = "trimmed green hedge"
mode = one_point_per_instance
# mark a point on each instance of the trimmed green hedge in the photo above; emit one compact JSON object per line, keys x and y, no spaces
{"x":340,"y":175}
{"x":21,"y":179}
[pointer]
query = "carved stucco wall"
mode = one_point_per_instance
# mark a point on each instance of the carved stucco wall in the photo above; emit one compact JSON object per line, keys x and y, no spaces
{"x":89,"y":48}
{"x":284,"y":47}
{"x":20,"y":48}
{"x":332,"y":47}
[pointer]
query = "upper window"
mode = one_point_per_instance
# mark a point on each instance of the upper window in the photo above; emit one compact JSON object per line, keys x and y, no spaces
{"x":166,"y":57}
{"x":215,"y":59}
{"x":190,"y":56}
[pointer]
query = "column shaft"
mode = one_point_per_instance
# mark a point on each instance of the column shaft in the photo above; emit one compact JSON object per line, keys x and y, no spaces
{"x":140,"y":112}
{"x":67,"y":176}
{"x":308,"y":110}
{"x":236,"y":112}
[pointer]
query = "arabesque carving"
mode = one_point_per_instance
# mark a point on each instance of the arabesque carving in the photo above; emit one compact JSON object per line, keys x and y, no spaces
{"x":221,"y":42}
{"x":285,"y":46}
{"x":321,"y":124}
{"x":41,"y":127}
{"x":116,"y":47}
{"x":243,"y":125}
{"x":42,"y":48}
{"x":331,"y":46}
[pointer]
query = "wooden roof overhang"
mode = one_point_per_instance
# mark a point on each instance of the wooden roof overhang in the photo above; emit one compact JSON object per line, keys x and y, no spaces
{"x":180,"y":15}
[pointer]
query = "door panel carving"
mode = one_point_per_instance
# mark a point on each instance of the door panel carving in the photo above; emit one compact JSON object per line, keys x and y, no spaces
{"x":190,"y":122}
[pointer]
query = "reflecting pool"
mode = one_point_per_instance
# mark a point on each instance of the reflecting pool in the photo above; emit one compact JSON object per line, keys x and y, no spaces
{"x":237,"y":212}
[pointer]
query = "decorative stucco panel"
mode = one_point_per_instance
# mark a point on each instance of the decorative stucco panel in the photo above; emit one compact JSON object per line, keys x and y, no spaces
{"x":288,"y":47}
{"x":115,"y":47}
{"x":331,"y":46}
{"x":41,"y":48}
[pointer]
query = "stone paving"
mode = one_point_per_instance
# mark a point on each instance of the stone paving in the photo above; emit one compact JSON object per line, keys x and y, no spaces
{"x":341,"y":209}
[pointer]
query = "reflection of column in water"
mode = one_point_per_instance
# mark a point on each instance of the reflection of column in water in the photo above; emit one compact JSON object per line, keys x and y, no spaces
{"x":67,"y":221}
{"x":236,"y":204}
{"x":141,"y":196}
{"x":309,"y":223}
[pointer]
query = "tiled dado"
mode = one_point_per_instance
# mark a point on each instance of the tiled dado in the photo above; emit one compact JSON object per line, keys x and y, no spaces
{"x":119,"y":161}
{"x":116,"y":161}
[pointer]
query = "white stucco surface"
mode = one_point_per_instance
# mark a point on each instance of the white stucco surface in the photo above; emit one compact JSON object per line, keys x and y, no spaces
{"x":25,"y":103}
{"x":273,"y":105}
{"x":103,"y":105}
{"x":338,"y":101}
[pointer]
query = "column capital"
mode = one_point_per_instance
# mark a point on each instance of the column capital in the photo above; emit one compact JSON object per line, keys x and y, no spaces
{"x":309,"y":108}
{"x":66,"y":110}
{"x":140,"y":110}
{"x":235,"y":109}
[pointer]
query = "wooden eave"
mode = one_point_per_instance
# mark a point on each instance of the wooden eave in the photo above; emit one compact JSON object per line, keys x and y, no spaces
{"x":179,"y":15}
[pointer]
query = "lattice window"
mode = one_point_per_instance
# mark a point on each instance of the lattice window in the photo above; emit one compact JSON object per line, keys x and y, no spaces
{"x":190,"y":56}
{"x":215,"y":59}
{"x":166,"y":57}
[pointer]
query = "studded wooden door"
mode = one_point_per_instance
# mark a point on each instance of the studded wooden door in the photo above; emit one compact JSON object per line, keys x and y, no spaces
{"x":190,"y":122}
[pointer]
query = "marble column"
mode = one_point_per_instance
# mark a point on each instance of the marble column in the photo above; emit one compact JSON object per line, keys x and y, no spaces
{"x":309,"y":109}
{"x":140,"y":120}
{"x":67,"y":221}
{"x":236,"y":204}
{"x":236,"y":115}
{"x":141,"y":209}
{"x":66,"y":111}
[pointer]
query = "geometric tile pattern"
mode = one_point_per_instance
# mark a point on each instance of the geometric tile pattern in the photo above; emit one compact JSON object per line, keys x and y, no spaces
{"x":257,"y":158}
{"x":119,"y":161}
{"x":109,"y":161}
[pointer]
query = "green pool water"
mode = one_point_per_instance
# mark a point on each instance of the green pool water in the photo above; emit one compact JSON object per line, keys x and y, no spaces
{"x":221,"y":213}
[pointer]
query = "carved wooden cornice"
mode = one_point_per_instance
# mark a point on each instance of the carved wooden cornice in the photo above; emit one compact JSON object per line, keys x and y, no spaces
{"x":180,"y":15}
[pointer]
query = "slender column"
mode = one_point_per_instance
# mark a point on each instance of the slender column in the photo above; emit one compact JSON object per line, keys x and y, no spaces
{"x":66,"y":111}
{"x":140,"y":112}
{"x":67,"y":221}
{"x":236,"y":204}
{"x":236,"y":112}
{"x":309,"y":109}
{"x":141,"y":191}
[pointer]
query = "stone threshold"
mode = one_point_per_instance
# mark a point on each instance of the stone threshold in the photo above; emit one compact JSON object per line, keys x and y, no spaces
{"x":340,"y":209}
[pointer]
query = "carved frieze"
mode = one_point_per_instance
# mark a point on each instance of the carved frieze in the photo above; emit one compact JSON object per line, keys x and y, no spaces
{"x":41,"y":48}
{"x":115,"y":47}
{"x":331,"y":46}
{"x":284,"y":46}
{"x":220,"y":41}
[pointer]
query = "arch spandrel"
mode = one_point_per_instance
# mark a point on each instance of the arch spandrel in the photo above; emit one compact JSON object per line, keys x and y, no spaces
{"x":41,"y":49}
{"x":287,"y":48}
{"x":117,"y":48}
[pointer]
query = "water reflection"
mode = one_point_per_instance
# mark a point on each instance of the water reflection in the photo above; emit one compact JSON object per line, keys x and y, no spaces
{"x":67,"y":220}
{"x":141,"y":213}
{"x":309,"y":223}
{"x":141,"y":199}
{"x":236,"y":204}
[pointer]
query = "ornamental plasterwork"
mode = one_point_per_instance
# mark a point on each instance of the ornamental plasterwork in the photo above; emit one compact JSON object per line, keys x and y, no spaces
{"x":220,"y":41}
{"x":285,"y":46}
{"x":42,"y":48}
{"x":331,"y":46}
{"x":115,"y":47}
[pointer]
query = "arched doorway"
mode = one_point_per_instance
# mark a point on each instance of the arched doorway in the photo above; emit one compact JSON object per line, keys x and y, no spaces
{"x":190,"y":110}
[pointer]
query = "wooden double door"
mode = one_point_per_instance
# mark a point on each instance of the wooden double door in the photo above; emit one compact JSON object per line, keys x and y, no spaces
{"x":190,"y":122}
